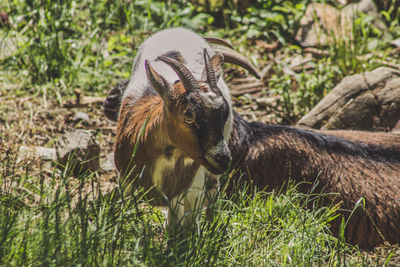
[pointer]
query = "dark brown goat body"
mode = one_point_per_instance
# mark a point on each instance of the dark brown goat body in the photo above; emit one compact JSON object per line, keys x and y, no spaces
{"x":353,"y":164}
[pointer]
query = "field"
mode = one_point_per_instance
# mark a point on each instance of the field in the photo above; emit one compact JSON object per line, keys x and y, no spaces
{"x":53,"y":53}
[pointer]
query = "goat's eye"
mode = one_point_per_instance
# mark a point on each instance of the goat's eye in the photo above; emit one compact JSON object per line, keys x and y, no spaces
{"x":188,"y":121}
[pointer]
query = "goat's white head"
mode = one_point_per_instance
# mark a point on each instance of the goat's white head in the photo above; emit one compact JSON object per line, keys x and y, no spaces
{"x":195,"y":112}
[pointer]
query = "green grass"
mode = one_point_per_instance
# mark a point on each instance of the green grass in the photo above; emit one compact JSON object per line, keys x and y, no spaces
{"x":64,"y":221}
{"x":68,"y":45}
{"x":48,"y":217}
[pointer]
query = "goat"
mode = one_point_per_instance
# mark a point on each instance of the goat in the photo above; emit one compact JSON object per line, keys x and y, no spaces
{"x":353,"y":164}
{"x":176,"y":92}
{"x":191,"y":132}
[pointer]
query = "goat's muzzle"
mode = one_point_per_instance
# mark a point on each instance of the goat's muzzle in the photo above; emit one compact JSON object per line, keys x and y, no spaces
{"x":218,"y":158}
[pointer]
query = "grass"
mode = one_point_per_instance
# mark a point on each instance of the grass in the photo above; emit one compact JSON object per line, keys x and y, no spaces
{"x":71,"y":46}
{"x":51,"y":218}
{"x":62,"y":220}
{"x":48,"y":217}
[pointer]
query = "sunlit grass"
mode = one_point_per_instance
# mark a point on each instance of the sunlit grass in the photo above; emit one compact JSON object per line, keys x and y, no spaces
{"x":62,"y":220}
{"x":48,"y":217}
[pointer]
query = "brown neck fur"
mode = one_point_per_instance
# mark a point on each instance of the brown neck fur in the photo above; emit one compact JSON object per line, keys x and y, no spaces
{"x":134,"y":116}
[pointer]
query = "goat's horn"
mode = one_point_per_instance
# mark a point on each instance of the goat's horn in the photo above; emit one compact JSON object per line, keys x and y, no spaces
{"x":187,"y":78}
{"x":231,"y":56}
{"x":211,"y":79}
{"x":215,"y":40}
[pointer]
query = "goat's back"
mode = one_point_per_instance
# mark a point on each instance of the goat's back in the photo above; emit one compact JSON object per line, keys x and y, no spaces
{"x":382,"y":139}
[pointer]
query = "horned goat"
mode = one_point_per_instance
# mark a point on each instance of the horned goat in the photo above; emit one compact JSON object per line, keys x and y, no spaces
{"x":177,"y":94}
{"x":173,"y":155}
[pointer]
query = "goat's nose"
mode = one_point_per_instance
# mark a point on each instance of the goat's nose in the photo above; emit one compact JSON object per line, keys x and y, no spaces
{"x":220,"y":154}
{"x":225,"y":155}
{"x":224,"y":159}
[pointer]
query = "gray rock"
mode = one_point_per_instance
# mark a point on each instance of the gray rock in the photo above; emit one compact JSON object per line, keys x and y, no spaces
{"x":264,"y":102}
{"x":365,"y":6}
{"x":361,"y":102}
{"x":322,"y":23}
{"x":36,"y":152}
{"x":80,"y":116}
{"x":396,"y":42}
{"x":9,"y":46}
{"x":79,"y":151}
{"x":108,"y":164}
{"x":389,"y":97}
{"x":46,"y":153}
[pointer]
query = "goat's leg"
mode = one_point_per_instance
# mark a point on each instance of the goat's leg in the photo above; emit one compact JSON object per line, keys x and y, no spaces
{"x":175,"y":213}
{"x":202,"y":193}
{"x":194,"y":198}
{"x":211,"y":193}
{"x":186,"y":208}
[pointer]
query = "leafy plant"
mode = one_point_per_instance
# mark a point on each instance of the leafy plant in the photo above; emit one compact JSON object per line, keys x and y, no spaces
{"x":350,"y":52}
{"x":270,"y":19}
{"x":299,"y":93}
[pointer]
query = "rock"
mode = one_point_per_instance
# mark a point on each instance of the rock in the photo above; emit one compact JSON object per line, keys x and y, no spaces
{"x":80,"y":116}
{"x":3,"y":18}
{"x":264,"y":102}
{"x":322,"y":23}
{"x":365,"y":101}
{"x":79,"y":151}
{"x":396,"y":42}
{"x":36,"y":152}
{"x":108,"y":164}
{"x":396,"y":128}
{"x":8,"y":47}
{"x":389,"y":98}
{"x":46,"y":153}
{"x":365,"y":6}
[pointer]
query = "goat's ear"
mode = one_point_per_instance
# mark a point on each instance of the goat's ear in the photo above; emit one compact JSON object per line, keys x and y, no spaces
{"x":162,"y":87}
{"x":216,"y":62}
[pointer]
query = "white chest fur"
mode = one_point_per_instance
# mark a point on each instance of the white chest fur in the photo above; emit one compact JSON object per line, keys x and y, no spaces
{"x":162,"y":165}
{"x":167,"y":165}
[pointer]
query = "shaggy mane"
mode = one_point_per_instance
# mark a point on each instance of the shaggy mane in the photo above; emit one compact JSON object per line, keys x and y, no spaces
{"x":136,"y":114}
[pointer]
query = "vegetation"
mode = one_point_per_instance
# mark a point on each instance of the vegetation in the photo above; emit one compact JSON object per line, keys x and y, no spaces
{"x":50,"y":48}
{"x":64,"y":222}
